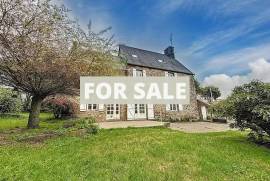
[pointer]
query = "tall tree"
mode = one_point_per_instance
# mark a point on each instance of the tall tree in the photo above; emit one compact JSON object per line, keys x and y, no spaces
{"x":211,"y":92}
{"x":43,"y":52}
{"x":197,"y":86}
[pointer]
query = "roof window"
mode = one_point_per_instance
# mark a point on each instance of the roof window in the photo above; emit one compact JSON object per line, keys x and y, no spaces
{"x":159,"y":60}
{"x":134,"y":56}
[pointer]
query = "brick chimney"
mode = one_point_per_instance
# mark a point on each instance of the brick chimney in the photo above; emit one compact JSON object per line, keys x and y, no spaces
{"x":169,"y":52}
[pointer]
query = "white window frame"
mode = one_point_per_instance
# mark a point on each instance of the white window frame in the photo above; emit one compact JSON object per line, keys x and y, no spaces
{"x":171,"y":74}
{"x":139,"y":73}
{"x":174,"y":107}
{"x":90,"y":107}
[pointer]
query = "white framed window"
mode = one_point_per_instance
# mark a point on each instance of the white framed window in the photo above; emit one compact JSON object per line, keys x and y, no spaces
{"x":171,"y":74}
{"x":139,"y":108}
{"x":174,"y":107}
{"x":92,"y":107}
{"x":139,"y":73}
{"x":142,"y":108}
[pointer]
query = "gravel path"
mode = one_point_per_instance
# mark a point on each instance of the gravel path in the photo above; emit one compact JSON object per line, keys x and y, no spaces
{"x":200,"y":127}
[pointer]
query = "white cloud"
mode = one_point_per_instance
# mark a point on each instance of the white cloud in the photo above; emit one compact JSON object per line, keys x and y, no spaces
{"x":212,"y":8}
{"x":259,"y":70}
{"x":237,"y":60}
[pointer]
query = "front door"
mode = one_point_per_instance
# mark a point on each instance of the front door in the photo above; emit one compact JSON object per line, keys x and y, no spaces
{"x":140,"y":111}
{"x":204,"y":112}
{"x":112,"y":111}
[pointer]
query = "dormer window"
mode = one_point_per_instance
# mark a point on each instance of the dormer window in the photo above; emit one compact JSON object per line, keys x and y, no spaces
{"x":134,"y":56}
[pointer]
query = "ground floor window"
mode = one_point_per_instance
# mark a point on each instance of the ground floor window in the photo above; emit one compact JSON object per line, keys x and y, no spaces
{"x":174,"y":107}
{"x":140,"y":108}
{"x":92,"y":107}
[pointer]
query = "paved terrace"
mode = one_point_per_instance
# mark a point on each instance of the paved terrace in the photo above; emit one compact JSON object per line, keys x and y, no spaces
{"x":126,"y":124}
{"x":188,"y":127}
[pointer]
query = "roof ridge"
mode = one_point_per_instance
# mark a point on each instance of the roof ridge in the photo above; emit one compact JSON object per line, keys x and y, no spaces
{"x":145,"y":50}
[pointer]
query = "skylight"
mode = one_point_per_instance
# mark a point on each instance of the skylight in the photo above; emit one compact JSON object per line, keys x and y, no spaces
{"x":160,"y":61}
{"x":134,"y":56}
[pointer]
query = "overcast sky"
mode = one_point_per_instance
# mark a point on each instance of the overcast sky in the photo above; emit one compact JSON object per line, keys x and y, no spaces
{"x":224,"y":42}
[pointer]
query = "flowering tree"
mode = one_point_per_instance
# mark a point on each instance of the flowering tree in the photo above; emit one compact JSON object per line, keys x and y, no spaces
{"x":62,"y":106}
{"x":43,"y":52}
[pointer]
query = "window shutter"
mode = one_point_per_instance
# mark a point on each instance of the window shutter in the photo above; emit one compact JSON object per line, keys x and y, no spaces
{"x":167,"y":107}
{"x":150,"y":111}
{"x":166,"y":74}
{"x":130,"y":111}
{"x":144,"y":73}
{"x":180,"y":107}
{"x":134,"y":72}
{"x":83,"y":107}
{"x":101,"y":107}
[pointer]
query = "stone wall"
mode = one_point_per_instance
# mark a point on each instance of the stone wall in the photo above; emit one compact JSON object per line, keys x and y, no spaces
{"x":190,"y":110}
{"x":160,"y":111}
{"x":99,"y":115}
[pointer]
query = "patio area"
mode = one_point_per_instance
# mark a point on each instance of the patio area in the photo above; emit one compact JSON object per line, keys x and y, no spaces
{"x":200,"y":127}
{"x":188,"y":127}
{"x":126,"y":124}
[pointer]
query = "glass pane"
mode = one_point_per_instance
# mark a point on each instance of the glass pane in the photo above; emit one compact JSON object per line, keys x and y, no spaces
{"x":136,"y":108}
{"x":142,"y":110}
{"x":170,"y":74}
{"x":89,"y":106}
{"x":139,"y":73}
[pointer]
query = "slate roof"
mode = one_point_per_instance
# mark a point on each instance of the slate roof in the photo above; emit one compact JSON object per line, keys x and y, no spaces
{"x":151,"y":59}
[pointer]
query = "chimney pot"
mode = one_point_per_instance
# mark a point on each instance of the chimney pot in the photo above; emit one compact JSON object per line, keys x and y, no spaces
{"x":169,"y":52}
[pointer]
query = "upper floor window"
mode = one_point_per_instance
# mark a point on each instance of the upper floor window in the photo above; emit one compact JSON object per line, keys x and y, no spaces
{"x":171,"y":74}
{"x":139,"y":73}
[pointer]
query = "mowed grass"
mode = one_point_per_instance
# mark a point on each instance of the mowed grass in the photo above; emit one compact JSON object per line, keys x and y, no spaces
{"x":46,"y":120}
{"x":137,"y":154}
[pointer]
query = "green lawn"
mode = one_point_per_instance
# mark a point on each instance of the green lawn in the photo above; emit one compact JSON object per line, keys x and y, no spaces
{"x":21,"y":122}
{"x":137,"y":154}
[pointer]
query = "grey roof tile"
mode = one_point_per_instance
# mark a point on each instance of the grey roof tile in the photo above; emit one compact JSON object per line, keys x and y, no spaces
{"x":151,"y":59}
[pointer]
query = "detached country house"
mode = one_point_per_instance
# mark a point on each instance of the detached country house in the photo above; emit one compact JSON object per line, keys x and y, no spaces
{"x":147,"y":63}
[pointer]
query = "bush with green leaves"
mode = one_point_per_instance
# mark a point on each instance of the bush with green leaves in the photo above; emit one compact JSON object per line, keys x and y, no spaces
{"x":10,"y":101}
{"x":220,"y":109}
{"x":250,"y":107}
{"x":87,"y":124}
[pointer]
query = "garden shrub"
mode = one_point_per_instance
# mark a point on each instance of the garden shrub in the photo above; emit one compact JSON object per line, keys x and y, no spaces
{"x":84,"y":122}
{"x":87,"y":124}
{"x":250,"y":108}
{"x":62,"y":106}
{"x":220,"y":109}
{"x":92,"y":129}
{"x":10,"y":101}
{"x":181,"y":119}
